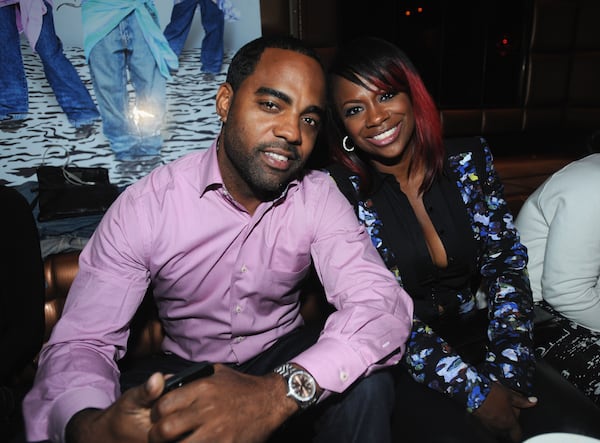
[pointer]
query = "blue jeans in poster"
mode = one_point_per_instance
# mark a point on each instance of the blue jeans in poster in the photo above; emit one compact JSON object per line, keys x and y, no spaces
{"x":68,"y":88}
{"x":213,"y":23}
{"x":121,"y":51}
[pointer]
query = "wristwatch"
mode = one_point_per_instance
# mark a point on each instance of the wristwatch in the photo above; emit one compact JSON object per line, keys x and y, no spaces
{"x":302,"y":387}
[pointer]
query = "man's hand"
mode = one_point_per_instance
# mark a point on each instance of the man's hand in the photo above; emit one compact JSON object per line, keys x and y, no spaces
{"x":500,"y":411}
{"x":227,"y":406}
{"x":128,"y":419}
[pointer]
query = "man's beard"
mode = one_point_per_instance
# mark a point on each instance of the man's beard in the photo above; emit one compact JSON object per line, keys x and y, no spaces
{"x":265,"y":184}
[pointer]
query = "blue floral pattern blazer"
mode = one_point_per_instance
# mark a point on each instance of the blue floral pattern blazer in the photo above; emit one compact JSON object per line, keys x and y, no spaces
{"x":502,"y":261}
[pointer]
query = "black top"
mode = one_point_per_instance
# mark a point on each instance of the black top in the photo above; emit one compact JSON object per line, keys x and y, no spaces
{"x":426,"y":283}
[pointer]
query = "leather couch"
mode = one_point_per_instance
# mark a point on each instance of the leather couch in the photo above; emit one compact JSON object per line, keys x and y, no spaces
{"x":60,"y":270}
{"x":521,"y":175}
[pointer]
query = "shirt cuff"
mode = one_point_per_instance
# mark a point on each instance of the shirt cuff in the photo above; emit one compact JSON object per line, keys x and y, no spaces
{"x":334,"y":365}
{"x":68,"y":404}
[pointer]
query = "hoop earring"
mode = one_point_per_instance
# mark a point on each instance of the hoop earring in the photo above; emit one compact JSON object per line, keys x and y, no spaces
{"x":345,"y":144}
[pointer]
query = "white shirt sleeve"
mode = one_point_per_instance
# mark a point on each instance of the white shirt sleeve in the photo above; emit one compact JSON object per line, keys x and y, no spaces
{"x":559,"y":224}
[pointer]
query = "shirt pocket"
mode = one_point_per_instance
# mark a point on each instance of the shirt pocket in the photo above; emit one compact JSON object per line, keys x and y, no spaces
{"x":287,"y":276}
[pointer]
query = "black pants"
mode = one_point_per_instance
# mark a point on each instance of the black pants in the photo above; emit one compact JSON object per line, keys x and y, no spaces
{"x":362,"y":414}
{"x":423,"y":415}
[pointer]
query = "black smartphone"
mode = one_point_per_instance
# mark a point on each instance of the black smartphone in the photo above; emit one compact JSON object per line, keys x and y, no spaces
{"x":194,"y":372}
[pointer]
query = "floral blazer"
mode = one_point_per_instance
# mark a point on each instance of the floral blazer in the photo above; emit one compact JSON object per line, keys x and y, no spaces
{"x":501,"y":263}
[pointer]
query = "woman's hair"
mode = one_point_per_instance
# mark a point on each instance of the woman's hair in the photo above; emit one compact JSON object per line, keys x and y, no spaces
{"x":387,"y":68}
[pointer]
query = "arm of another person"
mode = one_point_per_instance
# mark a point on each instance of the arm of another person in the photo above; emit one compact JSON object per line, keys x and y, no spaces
{"x":571,"y":268}
{"x":23,"y":287}
{"x":77,"y":368}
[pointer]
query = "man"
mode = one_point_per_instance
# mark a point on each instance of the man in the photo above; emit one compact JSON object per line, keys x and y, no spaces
{"x":226,"y":236}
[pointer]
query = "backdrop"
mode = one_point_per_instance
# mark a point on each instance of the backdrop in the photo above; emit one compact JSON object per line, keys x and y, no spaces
{"x":68,"y":23}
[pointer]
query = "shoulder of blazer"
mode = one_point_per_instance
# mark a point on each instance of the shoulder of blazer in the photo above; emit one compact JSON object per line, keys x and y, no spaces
{"x":456,"y":145}
{"x":461,"y":146}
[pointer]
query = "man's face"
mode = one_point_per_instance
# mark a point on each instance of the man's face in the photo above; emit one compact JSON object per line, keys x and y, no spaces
{"x":270,"y":124}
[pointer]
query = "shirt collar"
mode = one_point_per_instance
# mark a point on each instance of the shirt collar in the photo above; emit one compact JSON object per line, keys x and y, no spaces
{"x":210,"y":175}
{"x":211,"y":179}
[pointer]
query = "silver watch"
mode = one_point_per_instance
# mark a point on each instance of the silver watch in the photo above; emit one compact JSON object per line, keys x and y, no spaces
{"x":302,"y":387}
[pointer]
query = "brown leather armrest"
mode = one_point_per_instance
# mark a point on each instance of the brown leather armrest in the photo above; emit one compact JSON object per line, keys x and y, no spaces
{"x":59,"y":272}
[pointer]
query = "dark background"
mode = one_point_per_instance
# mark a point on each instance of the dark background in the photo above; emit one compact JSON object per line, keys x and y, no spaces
{"x":523,"y":73}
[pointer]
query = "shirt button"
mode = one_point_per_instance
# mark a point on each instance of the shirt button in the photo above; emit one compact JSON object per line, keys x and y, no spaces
{"x":239,"y":339}
{"x":244,"y":268}
{"x":343,"y":375}
{"x":238,"y":309}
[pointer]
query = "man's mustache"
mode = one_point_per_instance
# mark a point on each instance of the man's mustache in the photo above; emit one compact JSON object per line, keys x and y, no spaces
{"x":283,"y":146}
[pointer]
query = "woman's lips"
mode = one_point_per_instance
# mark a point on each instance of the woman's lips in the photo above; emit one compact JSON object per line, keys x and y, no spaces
{"x":386,"y":137}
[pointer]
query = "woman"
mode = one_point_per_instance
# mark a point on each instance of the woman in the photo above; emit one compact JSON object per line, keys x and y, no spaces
{"x":436,"y":213}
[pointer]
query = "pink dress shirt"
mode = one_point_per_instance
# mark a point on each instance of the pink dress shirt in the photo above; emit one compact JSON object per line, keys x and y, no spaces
{"x":225,"y":283}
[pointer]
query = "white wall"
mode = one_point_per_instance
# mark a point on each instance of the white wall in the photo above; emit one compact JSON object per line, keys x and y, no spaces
{"x":67,"y":21}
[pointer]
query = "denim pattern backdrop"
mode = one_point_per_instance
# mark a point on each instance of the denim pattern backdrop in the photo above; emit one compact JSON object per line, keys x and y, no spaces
{"x":191,"y":123}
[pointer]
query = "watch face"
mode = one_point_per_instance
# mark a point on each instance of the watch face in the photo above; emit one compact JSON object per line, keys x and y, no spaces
{"x":302,"y":385}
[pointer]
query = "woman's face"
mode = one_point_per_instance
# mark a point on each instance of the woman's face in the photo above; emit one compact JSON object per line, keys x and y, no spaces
{"x":379,"y":123}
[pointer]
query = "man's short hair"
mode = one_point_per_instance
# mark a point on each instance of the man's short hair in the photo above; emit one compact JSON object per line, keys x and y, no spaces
{"x":245,"y":60}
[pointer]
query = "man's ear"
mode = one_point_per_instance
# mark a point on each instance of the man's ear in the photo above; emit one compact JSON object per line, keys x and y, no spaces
{"x":224,"y":99}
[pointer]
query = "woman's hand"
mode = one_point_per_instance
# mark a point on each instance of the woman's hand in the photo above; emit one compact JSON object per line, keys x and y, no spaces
{"x":501,"y":409}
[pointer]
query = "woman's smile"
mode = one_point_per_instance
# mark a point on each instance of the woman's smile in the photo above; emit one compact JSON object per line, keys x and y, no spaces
{"x":386,"y":137}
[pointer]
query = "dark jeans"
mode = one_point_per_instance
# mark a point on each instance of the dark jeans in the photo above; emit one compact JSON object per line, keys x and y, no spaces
{"x":362,"y":414}
{"x":423,"y":415}
{"x":70,"y":92}
{"x":213,"y":23}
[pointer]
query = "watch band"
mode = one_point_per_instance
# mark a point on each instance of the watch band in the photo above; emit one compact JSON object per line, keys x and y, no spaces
{"x":302,"y":387}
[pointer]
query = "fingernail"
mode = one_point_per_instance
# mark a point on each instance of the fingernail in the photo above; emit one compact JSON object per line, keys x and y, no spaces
{"x":532,"y":399}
